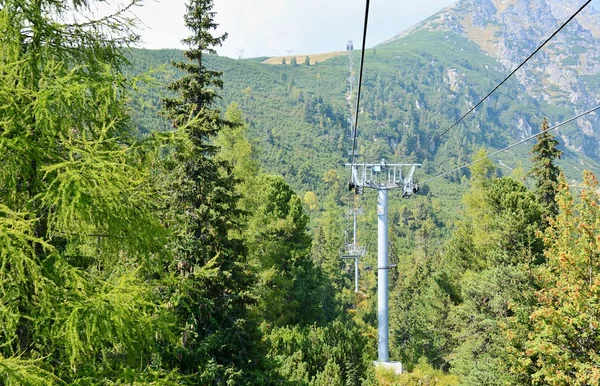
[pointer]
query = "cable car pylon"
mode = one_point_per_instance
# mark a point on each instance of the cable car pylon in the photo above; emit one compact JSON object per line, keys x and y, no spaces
{"x":353,"y":250}
{"x":383,"y":177}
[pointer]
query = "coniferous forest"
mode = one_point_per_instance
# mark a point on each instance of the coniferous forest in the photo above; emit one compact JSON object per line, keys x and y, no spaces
{"x":166,"y":250}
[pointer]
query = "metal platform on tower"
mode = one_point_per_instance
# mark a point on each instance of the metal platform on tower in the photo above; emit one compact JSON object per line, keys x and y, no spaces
{"x":384,"y":176}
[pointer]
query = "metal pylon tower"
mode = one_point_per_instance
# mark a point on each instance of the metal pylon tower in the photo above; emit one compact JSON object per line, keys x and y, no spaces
{"x":383,"y":177}
{"x":354,"y":251}
{"x":350,"y":50}
{"x":351,"y":80}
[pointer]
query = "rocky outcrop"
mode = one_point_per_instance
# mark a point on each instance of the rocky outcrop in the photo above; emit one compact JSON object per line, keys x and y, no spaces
{"x":566,"y":73}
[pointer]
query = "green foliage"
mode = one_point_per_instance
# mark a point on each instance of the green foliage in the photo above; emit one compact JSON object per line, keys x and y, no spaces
{"x":562,"y":347}
{"x":74,"y":301}
{"x":477,"y":323}
{"x":290,"y":287}
{"x":498,"y":244}
{"x":420,"y":307}
{"x":544,"y":171}
{"x":331,"y":375}
{"x":422,"y":374}
{"x":207,"y":284}
{"x":103,"y":192}
{"x":236,"y":149}
{"x":335,"y":353}
{"x":502,"y":214}
{"x":105,"y":318}
{"x":464,"y":308}
{"x":16,"y":372}
{"x":24,"y":290}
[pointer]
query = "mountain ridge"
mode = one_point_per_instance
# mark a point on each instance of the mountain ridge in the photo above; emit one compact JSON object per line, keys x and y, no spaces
{"x":509,"y":30}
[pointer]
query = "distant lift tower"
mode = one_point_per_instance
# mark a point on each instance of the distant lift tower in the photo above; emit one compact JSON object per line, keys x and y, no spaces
{"x":383,"y":177}
{"x":353,"y":251}
{"x":351,"y":80}
{"x":350,"y":50}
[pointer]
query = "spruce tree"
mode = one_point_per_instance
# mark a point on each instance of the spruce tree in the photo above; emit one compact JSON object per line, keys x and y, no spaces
{"x":544,"y":171}
{"x":209,"y":280}
{"x":487,"y":266}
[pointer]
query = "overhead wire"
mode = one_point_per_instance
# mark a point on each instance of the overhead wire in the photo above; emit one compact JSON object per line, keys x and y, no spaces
{"x":513,"y":145}
{"x":509,"y":76}
{"x":360,"y":78}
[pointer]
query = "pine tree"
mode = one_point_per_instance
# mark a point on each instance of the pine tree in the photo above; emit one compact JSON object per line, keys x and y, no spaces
{"x":307,"y":61}
{"x":544,"y":171}
{"x":481,"y":178}
{"x":290,"y":288}
{"x":236,"y":149}
{"x":491,"y":256}
{"x":209,"y":284}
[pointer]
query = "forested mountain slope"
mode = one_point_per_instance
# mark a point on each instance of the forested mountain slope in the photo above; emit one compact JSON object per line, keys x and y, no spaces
{"x":416,"y":85}
{"x":565,"y":74}
{"x":464,"y":276}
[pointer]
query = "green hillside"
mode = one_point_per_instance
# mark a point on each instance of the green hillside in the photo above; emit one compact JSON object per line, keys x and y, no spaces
{"x":298,"y":121}
{"x":298,"y":116}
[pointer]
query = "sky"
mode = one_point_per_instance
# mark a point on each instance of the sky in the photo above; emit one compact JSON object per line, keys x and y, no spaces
{"x":273,"y":27}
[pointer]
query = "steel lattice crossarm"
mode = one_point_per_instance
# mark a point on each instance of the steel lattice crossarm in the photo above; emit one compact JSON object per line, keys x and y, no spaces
{"x":383,"y":176}
{"x":352,"y":251}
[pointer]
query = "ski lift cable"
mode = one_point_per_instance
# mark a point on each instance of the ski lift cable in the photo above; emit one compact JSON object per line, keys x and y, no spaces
{"x":509,"y":76}
{"x":514,"y":145}
{"x":362,"y":61}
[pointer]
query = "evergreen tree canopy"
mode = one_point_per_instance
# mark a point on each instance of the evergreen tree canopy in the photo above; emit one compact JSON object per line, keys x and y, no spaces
{"x":77,"y":232}
{"x":209,"y":282}
{"x":563,"y":346}
{"x":544,"y":170}
{"x":197,"y":88}
{"x":488,"y":261}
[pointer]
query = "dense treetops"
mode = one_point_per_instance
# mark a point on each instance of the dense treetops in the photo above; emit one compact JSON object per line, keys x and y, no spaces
{"x":145,"y":261}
